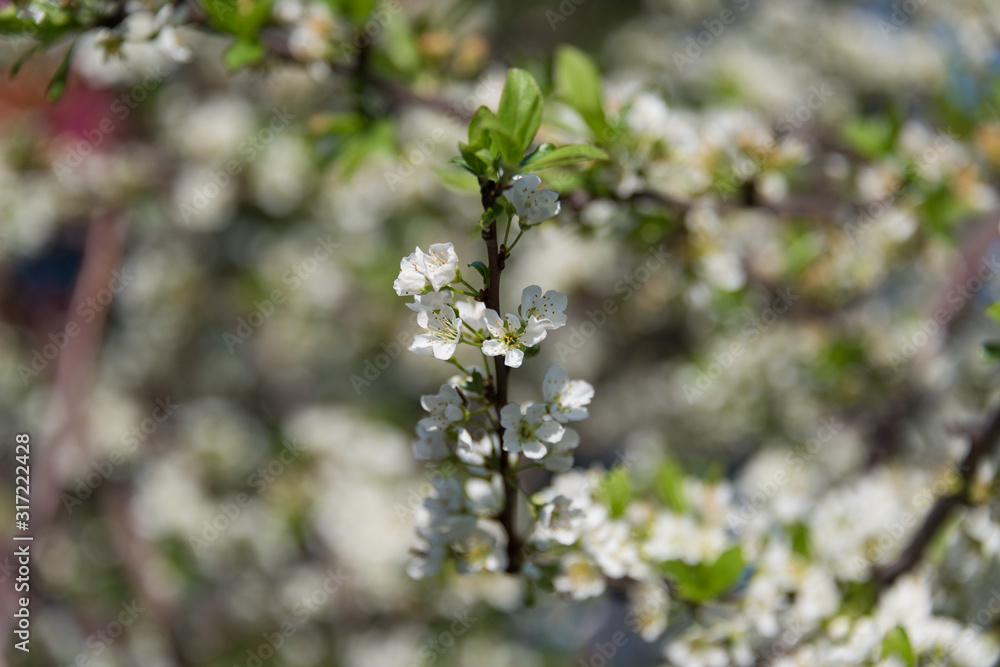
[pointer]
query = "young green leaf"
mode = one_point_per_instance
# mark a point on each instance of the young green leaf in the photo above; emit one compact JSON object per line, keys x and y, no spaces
{"x":563,"y":156}
{"x":242,"y":54}
{"x":58,"y":83}
{"x":994,"y":311}
{"x":520,"y":111}
{"x":478,"y":135}
{"x":482,"y":269}
{"x":897,"y":642}
{"x":616,"y":490}
{"x":578,"y":83}
{"x":701,"y":582}
{"x":670,"y":486}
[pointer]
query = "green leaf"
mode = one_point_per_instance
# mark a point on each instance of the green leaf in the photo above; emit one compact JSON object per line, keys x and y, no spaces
{"x":243,"y":18}
{"x":578,"y":83}
{"x":898,"y":643}
{"x":800,"y":539}
{"x":475,"y":383}
{"x":991,"y":349}
{"x":562,"y":156}
{"x":461,"y":181}
{"x":616,"y":490}
{"x":532,"y":351}
{"x":478,"y":135}
{"x":482,"y":269}
{"x":701,"y":582}
{"x":670,"y":486}
{"x":520,"y":111}
{"x":994,"y":311}
{"x":57,"y":85}
{"x":242,"y":54}
{"x":510,"y":150}
{"x":870,"y":136}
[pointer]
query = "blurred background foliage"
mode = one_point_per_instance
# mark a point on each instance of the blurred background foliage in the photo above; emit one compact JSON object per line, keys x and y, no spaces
{"x":254,"y":170}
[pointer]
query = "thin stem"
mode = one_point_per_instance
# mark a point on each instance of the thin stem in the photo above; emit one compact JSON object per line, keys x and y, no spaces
{"x":466,"y":283}
{"x":462,"y":291}
{"x":508,"y":516}
{"x":457,"y":363}
{"x":506,"y":234}
{"x":520,"y":233}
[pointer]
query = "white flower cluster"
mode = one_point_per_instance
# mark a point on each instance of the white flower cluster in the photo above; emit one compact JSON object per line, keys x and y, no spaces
{"x":427,"y":275}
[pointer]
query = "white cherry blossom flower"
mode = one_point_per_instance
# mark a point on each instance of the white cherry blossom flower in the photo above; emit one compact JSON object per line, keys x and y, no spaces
{"x":528,"y":429}
{"x":560,"y":456}
{"x":560,"y":520}
{"x":419,"y":270}
{"x":580,"y":578}
{"x":445,"y":409}
{"x":546,"y":311}
{"x":442,"y":332}
{"x":430,"y":445}
{"x":532,"y":205}
{"x":567,"y":399}
{"x":510,"y":338}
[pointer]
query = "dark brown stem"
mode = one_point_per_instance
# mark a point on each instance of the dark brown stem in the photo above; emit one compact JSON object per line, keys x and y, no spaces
{"x":980,"y":447}
{"x":508,"y":516}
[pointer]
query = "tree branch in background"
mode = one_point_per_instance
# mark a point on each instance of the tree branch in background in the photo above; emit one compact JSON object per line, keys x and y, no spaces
{"x":982,"y":443}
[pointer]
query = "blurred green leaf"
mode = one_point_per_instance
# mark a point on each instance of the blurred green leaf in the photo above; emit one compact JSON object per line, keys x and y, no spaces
{"x":994,"y":311}
{"x":578,"y":83}
{"x":616,"y":490}
{"x":701,"y":582}
{"x":991,"y":349}
{"x":872,"y":136}
{"x":57,"y":85}
{"x":670,"y":486}
{"x":457,"y":179}
{"x":897,"y":642}
{"x":242,"y":54}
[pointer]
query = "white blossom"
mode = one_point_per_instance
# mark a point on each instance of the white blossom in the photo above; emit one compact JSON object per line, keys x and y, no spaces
{"x":510,"y":337}
{"x":566,"y":399}
{"x":531,"y":204}
{"x":528,"y":429}
{"x":445,"y":409}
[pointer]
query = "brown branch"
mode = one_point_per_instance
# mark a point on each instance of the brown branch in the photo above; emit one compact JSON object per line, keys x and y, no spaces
{"x":496,"y":255}
{"x":980,"y":447}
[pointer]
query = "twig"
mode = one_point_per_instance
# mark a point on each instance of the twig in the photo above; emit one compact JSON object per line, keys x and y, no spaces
{"x":980,"y":447}
{"x":508,"y":516}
